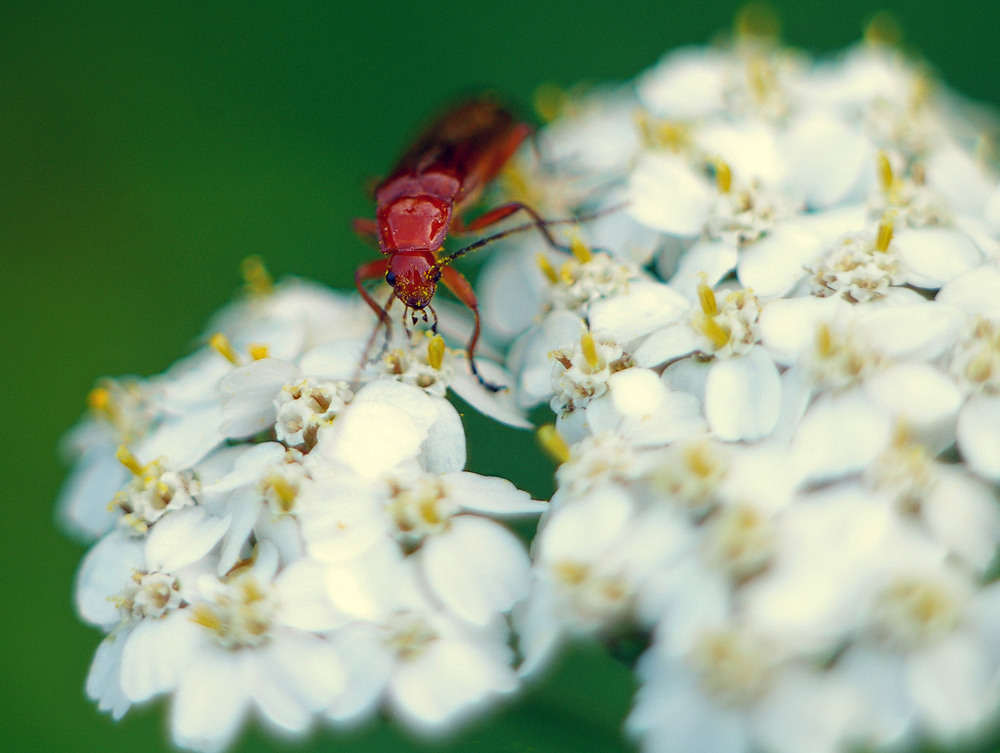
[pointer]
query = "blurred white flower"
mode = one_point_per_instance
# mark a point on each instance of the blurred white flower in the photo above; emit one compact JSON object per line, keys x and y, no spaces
{"x":771,"y":344}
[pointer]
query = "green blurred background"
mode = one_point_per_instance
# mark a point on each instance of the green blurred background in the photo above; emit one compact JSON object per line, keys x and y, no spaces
{"x":146,"y":148}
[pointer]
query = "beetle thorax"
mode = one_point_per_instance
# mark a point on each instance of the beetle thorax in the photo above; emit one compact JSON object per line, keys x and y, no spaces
{"x":413,"y":223}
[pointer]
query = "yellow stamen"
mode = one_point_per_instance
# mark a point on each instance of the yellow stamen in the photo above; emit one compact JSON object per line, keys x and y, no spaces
{"x":256,"y":278}
{"x":569,"y":572}
{"x":99,"y":399}
{"x":715,"y":332}
{"x":884,"y":237}
{"x":206,"y":617}
{"x":699,"y":460}
{"x":549,"y":101}
{"x":723,"y":176}
{"x":920,"y":95}
{"x":553,"y":443}
{"x":706,"y":297}
{"x":824,"y":340}
{"x":886,"y":179}
{"x":429,"y":511}
{"x":130,"y":461}
{"x":252,"y":591}
{"x":883,"y":29}
{"x":435,"y":352}
{"x":661,"y":133}
{"x":258,"y":351}
{"x":901,"y":436}
{"x":589,"y":349}
{"x":759,"y":80}
{"x":221,"y":345}
{"x":543,"y":264}
{"x":285,"y":490}
{"x":580,"y":250}
{"x":757,"y":20}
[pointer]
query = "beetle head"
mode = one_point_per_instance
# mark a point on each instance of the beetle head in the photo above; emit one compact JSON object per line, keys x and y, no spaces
{"x":413,"y":277}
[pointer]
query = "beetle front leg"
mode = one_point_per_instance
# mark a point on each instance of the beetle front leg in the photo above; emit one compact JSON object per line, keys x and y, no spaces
{"x":455,"y":282}
{"x":374,"y":270}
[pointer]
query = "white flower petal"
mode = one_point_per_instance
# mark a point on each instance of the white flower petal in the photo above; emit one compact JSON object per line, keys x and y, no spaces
{"x":302,"y":593}
{"x":922,"y":397}
{"x":743,"y":396}
{"x":247,"y":468}
{"x":337,"y":360}
{"x":103,"y":574}
{"x":490,"y":495}
{"x":478,"y":569}
{"x":992,"y":209}
{"x":962,"y":512}
{"x":667,"y":344}
{"x":750,"y":148}
{"x":367,"y":587}
{"x":500,"y":406}
{"x":341,"y":517}
{"x":158,"y":654}
{"x":304,"y":668}
{"x":182,"y":537}
{"x":181,"y":443}
{"x":953,"y":686}
{"x":933,"y":255}
{"x":772,"y":265}
{"x":528,"y":356}
{"x":451,"y":680}
{"x":788,"y":326}
{"x":646,"y":306}
{"x":640,"y":406}
{"x":974,"y":292}
{"x":247,"y":509}
{"x":826,"y":159}
{"x":586,"y":527}
{"x":103,"y":677}
{"x":839,"y":435}
{"x":93,"y":482}
{"x":250,"y":390}
{"x":706,"y":261}
{"x":444,"y":449}
{"x":211,"y":702}
{"x":911,"y":331}
{"x":979,"y":435}
{"x":666,"y":194}
{"x":372,"y":437}
{"x":368,"y":666}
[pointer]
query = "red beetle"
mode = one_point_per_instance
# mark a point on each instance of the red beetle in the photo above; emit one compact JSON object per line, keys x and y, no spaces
{"x":421,"y":202}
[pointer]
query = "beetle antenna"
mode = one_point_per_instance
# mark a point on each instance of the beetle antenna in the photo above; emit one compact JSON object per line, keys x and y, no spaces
{"x":538,"y":223}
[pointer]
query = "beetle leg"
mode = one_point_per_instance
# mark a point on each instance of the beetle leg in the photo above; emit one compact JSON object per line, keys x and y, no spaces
{"x":366,"y":229}
{"x":455,"y":282}
{"x":434,"y":324}
{"x":502,"y":212}
{"x":374,"y":270}
{"x":496,"y":215}
{"x":537,"y":222}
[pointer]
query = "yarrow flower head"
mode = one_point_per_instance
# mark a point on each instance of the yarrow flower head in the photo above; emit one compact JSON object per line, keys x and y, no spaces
{"x":758,"y":295}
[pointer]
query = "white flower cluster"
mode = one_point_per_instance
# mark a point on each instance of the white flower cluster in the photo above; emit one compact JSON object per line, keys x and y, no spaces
{"x":280,"y":535}
{"x":773,"y":354}
{"x":776,"y":379}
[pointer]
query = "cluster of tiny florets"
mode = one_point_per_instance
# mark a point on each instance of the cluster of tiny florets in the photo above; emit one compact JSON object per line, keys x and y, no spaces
{"x":771,"y":348}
